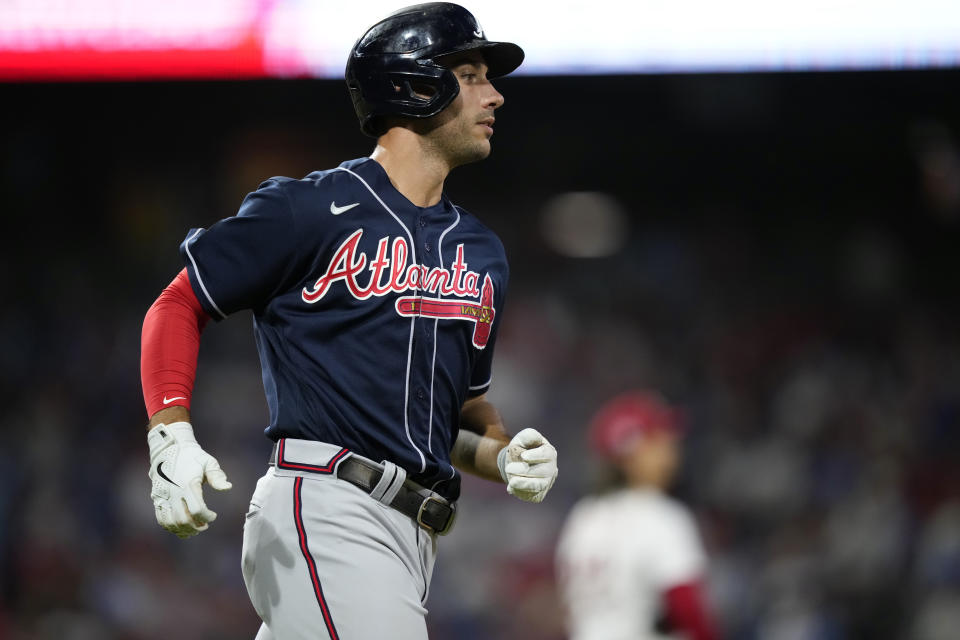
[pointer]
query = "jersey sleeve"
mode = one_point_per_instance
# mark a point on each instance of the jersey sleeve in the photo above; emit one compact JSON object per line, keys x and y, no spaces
{"x":240,"y":261}
{"x":679,"y":557}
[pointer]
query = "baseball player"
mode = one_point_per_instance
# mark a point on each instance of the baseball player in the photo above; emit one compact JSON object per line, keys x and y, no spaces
{"x":376,"y":305}
{"x":630,"y":562}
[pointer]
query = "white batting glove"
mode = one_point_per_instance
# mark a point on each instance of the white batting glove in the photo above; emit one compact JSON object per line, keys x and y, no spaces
{"x":528,"y":465}
{"x":178,"y":467}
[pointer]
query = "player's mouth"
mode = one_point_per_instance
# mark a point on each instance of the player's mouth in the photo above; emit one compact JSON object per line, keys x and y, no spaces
{"x":487,"y":123}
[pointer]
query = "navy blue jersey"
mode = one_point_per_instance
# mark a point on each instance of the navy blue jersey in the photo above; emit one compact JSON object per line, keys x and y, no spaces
{"x":375,"y":319}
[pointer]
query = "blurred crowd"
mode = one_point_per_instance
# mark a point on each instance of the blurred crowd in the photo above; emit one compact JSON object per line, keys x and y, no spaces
{"x":817,"y":355}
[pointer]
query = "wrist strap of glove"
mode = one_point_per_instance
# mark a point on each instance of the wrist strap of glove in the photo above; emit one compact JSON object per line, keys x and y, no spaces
{"x":164,"y":435}
{"x":502,"y":463}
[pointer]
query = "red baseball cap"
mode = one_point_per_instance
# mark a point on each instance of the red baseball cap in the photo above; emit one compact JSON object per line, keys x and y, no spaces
{"x":628,"y":417}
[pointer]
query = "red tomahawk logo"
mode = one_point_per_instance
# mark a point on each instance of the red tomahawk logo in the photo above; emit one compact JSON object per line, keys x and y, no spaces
{"x":482,"y":313}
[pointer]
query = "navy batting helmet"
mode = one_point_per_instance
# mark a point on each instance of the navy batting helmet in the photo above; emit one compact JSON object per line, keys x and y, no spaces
{"x":394,"y":70}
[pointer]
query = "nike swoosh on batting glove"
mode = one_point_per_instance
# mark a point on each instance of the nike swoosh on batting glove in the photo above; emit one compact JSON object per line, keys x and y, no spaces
{"x":178,"y":467}
{"x":528,"y":465}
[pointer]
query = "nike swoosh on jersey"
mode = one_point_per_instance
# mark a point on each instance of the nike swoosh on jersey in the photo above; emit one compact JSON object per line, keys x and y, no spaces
{"x":164,"y":476}
{"x":335,"y":210}
{"x":479,"y":34}
{"x":169,"y":400}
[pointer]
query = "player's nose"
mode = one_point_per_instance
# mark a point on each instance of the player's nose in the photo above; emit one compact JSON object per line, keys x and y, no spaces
{"x":494,"y":100}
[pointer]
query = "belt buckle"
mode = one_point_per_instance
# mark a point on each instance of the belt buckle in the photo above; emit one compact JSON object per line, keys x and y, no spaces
{"x":448,"y":526}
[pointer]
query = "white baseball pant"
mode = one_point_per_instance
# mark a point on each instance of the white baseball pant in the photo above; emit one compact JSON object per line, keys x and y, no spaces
{"x":323,"y":559}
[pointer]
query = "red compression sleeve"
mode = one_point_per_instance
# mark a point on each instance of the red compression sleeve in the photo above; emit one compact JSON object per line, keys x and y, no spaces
{"x":169,"y":346}
{"x":686,"y":612}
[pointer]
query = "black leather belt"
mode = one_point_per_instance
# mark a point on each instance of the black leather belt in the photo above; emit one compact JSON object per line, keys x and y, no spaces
{"x":428,"y":509}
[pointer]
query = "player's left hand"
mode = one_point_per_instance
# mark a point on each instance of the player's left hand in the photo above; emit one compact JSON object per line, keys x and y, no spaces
{"x":528,"y":465}
{"x":178,"y":467}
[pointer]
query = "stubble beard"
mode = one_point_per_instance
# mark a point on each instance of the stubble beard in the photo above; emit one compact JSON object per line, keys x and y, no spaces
{"x":463,"y":148}
{"x":452,"y":139}
{"x":458,"y":145}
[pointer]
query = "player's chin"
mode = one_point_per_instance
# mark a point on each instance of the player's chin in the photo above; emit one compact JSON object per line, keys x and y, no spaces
{"x":480,"y":135}
{"x":475,"y":152}
{"x":485,"y":149}
{"x":482,"y":148}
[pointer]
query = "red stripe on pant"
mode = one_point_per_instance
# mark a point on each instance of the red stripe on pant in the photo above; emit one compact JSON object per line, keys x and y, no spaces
{"x":314,"y":578}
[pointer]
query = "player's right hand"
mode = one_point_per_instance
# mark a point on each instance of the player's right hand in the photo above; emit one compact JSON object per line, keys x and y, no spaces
{"x":178,"y":467}
{"x":528,"y":465}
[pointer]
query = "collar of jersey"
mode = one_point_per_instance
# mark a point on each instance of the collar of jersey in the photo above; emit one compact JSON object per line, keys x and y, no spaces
{"x":375,"y":175}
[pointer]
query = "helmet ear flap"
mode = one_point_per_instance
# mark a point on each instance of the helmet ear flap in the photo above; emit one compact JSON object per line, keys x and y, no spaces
{"x":423,"y":90}
{"x":420,"y":94}
{"x":415,"y":91}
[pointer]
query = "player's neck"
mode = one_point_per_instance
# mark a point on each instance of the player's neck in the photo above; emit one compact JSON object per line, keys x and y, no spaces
{"x":413,"y":170}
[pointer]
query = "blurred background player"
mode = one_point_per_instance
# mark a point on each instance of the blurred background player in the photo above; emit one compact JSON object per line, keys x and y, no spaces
{"x":630,"y":562}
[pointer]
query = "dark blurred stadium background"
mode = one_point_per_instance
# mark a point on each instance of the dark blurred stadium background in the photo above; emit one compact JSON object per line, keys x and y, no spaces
{"x":777,"y":253}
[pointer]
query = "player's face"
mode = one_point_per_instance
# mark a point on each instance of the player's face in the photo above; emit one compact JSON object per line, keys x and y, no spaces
{"x":654,"y":459}
{"x":462,"y":131}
